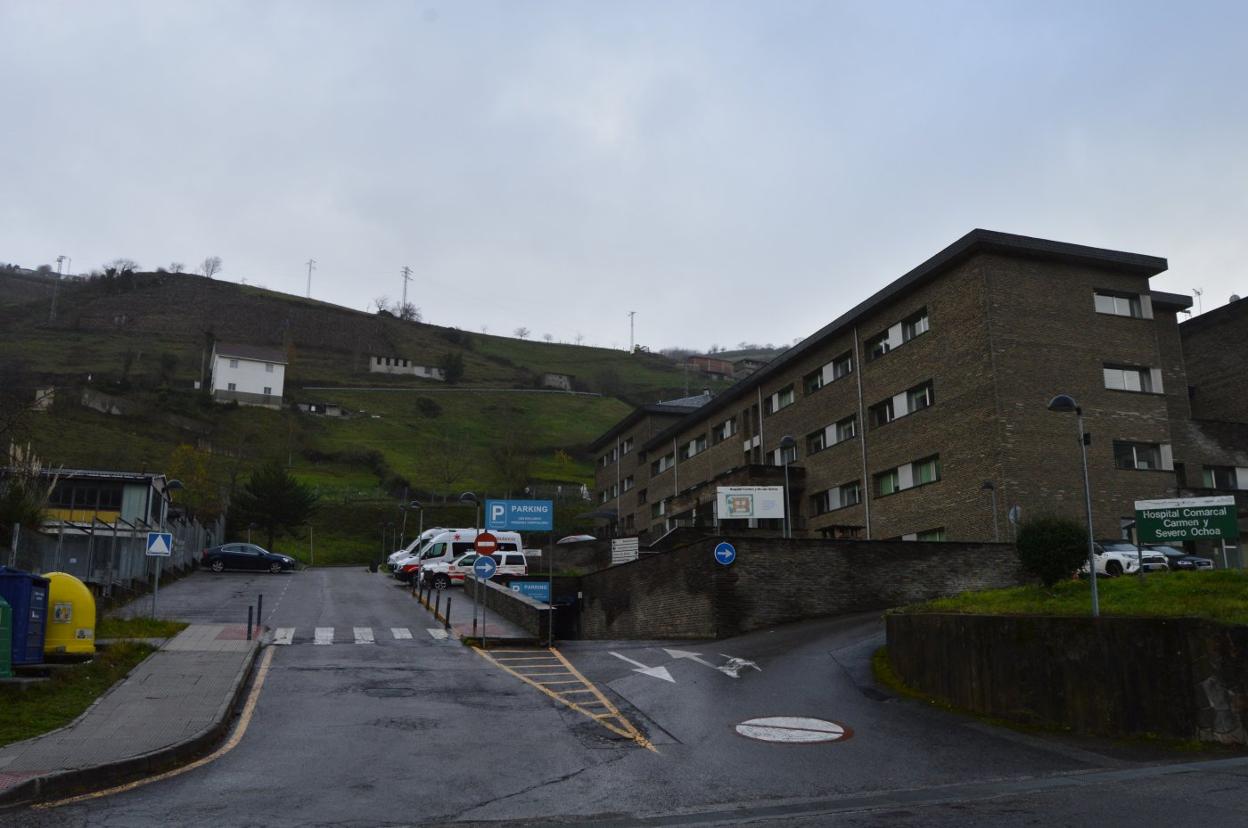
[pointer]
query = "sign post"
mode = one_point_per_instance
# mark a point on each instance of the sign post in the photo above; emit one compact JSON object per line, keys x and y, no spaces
{"x":528,"y":516}
{"x":1188,"y":519}
{"x":159,"y":546}
{"x":484,"y":568}
{"x":485,"y":545}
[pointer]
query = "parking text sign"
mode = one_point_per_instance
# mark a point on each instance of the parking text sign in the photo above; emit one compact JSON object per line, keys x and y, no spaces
{"x":520,"y":515}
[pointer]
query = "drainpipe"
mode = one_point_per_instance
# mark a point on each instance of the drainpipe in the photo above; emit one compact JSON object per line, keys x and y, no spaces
{"x":862,"y":435}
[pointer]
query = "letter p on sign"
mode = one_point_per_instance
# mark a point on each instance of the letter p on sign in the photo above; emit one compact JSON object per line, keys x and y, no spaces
{"x":497,"y":512}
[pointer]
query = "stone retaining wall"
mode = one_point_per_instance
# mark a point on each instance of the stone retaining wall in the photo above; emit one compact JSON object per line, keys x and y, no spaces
{"x":1178,"y":678}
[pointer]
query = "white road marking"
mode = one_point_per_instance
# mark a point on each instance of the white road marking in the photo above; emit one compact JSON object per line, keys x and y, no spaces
{"x":792,"y":729}
{"x":437,"y":632}
{"x":324,"y":635}
{"x":732,"y":668}
{"x":653,"y":672}
{"x":363,"y":635}
{"x":735,"y":665}
{"x":283,"y":635}
{"x":400,"y":632}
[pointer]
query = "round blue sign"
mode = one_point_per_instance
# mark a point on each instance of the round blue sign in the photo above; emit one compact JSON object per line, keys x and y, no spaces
{"x":484,"y":568}
{"x":725,"y":553}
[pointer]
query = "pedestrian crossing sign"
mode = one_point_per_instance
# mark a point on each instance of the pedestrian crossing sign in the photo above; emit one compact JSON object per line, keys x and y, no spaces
{"x":159,"y":544}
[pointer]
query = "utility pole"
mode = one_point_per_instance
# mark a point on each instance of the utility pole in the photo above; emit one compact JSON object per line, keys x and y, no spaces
{"x":407,"y":277}
{"x":56,"y":286}
{"x":1199,"y":293}
{"x":311,"y":267}
{"x":632,"y":342}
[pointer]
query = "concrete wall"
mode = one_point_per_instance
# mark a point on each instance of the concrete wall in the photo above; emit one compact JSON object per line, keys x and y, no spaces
{"x":531,"y":616}
{"x":1179,"y":678}
{"x":684,"y":593}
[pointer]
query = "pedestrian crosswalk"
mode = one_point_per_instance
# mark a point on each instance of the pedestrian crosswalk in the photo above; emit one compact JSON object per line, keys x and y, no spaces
{"x":326,"y":636}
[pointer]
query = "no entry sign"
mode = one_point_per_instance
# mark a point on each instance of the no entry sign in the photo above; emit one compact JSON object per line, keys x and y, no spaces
{"x":485,"y":544}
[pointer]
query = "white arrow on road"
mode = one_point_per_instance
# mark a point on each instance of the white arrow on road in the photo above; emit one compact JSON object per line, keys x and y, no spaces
{"x":656,"y":672}
{"x":732,"y":668}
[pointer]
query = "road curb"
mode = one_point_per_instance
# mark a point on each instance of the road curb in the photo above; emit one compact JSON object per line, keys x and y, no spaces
{"x":98,"y":777}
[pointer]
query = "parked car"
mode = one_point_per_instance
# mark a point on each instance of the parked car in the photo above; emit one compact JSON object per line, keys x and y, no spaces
{"x":1178,"y":560}
{"x":1114,"y":558}
{"x":414,"y":547}
{"x":450,"y":545}
{"x":443,"y":574}
{"x":246,"y":556}
{"x":1154,"y":562}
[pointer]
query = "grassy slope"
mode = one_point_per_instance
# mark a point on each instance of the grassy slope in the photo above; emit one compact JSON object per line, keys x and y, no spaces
{"x":1219,"y":596}
{"x":330,"y":345}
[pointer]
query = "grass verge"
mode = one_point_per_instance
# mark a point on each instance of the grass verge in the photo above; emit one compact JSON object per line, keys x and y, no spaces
{"x":1220,"y":596}
{"x":62,"y":698}
{"x":138,"y":628}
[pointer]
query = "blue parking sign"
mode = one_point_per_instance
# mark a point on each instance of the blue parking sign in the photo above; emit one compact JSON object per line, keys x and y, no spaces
{"x":520,"y":515}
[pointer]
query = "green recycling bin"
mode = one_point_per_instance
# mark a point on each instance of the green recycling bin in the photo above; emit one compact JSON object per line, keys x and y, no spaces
{"x":6,"y":639}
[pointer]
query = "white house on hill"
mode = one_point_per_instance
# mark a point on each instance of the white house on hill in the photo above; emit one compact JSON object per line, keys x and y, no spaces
{"x":248,"y":374}
{"x":398,"y":365}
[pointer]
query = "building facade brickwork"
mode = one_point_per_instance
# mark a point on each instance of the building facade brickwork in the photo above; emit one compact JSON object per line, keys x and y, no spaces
{"x":919,"y":408}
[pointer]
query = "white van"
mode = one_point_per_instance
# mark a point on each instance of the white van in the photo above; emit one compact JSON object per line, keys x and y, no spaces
{"x":415,"y":546}
{"x":451,"y":544}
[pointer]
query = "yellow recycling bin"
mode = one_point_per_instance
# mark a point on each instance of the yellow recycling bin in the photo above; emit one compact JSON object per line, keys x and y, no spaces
{"x":71,"y":616}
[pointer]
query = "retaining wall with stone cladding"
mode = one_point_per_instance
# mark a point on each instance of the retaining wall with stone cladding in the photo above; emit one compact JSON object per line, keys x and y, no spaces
{"x":1179,"y":678}
{"x":684,"y":593}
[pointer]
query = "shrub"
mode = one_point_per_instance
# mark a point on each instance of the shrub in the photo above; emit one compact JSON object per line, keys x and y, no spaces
{"x":428,"y":407}
{"x":1052,"y":548}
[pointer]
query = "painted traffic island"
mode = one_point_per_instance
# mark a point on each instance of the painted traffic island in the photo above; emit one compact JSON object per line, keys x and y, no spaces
{"x":1167,"y":657}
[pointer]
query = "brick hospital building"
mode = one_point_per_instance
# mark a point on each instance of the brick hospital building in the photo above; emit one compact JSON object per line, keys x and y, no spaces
{"x":922,"y":414}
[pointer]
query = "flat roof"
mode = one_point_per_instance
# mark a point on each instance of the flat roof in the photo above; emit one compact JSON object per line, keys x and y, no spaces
{"x":976,"y":241}
{"x":1215,"y":315}
{"x":680,"y":408}
{"x":99,"y":474}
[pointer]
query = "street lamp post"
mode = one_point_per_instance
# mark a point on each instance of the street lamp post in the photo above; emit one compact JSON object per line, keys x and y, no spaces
{"x":1064,"y":403}
{"x":415,"y":504}
{"x":787,"y":442}
{"x":996,"y":528}
{"x":469,"y":497}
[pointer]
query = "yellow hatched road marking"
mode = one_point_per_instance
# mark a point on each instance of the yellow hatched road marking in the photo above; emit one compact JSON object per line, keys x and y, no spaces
{"x":625,"y":728}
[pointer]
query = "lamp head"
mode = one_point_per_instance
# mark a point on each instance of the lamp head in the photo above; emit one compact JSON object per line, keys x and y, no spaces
{"x":787,"y":441}
{"x":988,"y":486}
{"x":1063,"y":403}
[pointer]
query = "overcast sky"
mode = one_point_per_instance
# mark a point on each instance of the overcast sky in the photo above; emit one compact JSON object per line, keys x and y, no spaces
{"x":730,"y":171}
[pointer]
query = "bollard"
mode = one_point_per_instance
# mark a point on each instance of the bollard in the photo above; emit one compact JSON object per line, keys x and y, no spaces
{"x":436,"y":604}
{"x":447,"y":618}
{"x":249,"y":609}
{"x":259,"y":613}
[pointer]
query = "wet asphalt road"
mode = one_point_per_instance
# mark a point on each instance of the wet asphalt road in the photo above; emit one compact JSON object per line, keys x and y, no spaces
{"x":419,"y":730}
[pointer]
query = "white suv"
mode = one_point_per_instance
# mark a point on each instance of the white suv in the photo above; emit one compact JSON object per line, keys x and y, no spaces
{"x":1114,"y":557}
{"x":443,"y":574}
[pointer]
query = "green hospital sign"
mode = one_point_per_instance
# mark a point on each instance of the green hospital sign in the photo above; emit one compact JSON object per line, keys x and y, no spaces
{"x":1193,"y":518}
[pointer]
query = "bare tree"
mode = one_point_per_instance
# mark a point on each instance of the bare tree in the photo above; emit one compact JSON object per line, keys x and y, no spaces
{"x":381,"y":303}
{"x":547,"y":337}
{"x":211,"y":266}
{"x":447,"y":456}
{"x":521,"y":333}
{"x":512,"y":464}
{"x":408,"y":313}
{"x":176,"y":267}
{"x":119,"y":266}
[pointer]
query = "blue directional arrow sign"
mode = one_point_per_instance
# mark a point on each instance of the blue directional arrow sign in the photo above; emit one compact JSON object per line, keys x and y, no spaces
{"x":725,"y":553}
{"x":484,"y":568}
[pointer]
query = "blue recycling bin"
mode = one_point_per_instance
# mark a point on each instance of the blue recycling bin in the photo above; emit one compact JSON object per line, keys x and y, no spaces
{"x":27,"y":594}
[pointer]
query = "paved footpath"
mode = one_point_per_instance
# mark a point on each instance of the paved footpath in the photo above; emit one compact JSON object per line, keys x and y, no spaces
{"x":173,"y":705}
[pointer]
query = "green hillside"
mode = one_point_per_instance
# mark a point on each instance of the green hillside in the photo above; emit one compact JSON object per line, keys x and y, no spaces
{"x":141,"y":340}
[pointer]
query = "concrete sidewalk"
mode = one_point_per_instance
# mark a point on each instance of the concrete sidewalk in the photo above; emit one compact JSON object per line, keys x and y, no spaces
{"x":493,"y":624}
{"x":173,"y":707}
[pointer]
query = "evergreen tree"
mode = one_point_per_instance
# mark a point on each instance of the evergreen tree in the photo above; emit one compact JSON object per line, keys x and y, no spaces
{"x":274,"y":501}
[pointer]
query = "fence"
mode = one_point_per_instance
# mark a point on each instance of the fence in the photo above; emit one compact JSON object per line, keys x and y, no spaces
{"x":107,"y":554}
